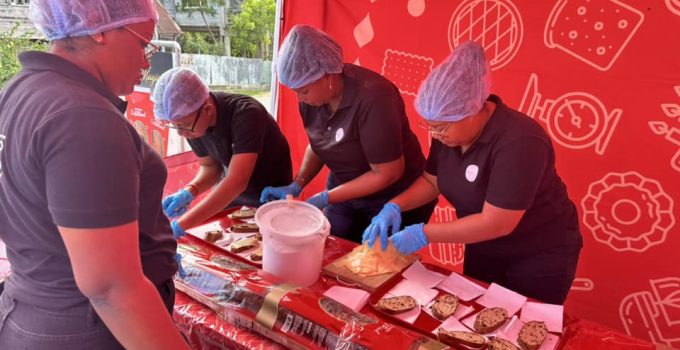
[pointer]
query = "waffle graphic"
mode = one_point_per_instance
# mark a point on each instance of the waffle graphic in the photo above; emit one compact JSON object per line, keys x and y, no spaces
{"x":575,"y":120}
{"x":592,"y":31}
{"x":406,"y":70}
{"x":628,"y":212}
{"x":654,"y":314}
{"x":494,"y":24}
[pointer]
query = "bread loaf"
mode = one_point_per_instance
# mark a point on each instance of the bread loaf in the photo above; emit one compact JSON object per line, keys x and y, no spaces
{"x":396,"y":305}
{"x":444,"y":306}
{"x":532,"y":335}
{"x":244,"y":228}
{"x":457,"y":338}
{"x":213,"y":236}
{"x":490,"y":319}
{"x":501,"y":344}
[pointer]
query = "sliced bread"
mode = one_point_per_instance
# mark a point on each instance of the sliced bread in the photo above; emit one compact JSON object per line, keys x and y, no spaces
{"x":501,"y":344}
{"x":244,"y":228}
{"x":213,"y":236}
{"x":242,"y":214}
{"x":490,"y":319}
{"x":532,"y":335}
{"x":396,"y":305}
{"x":456,"y":338}
{"x":444,"y":306}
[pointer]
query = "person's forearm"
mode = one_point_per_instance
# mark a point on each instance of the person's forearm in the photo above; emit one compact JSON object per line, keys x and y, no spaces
{"x":224,"y":193}
{"x":137,"y":317}
{"x":368,"y":183}
{"x":420,"y":192}
{"x":311,"y":165}
{"x":470,"y":229}
{"x":206,"y":177}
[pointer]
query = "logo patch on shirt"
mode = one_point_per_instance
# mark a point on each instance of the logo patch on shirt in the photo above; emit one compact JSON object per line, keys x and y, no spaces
{"x":2,"y":146}
{"x":471,"y":172}
{"x":339,"y":134}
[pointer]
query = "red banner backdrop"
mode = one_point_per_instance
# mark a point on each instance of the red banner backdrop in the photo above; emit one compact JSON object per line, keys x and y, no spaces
{"x":602,"y":76}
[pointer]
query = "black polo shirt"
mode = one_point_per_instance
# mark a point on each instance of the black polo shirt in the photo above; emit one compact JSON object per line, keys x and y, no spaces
{"x":71,"y":159}
{"x":244,"y":126}
{"x":512,"y":166}
{"x":369,"y":126}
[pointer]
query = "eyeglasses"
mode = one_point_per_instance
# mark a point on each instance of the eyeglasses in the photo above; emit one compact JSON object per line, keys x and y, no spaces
{"x":149,"y":48}
{"x":172,"y":125}
{"x":438,"y":130}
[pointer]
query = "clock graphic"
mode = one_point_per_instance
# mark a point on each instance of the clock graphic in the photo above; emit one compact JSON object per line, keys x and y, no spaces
{"x":575,"y":120}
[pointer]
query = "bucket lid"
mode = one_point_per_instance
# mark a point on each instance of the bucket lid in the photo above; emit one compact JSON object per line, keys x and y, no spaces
{"x":291,"y":218}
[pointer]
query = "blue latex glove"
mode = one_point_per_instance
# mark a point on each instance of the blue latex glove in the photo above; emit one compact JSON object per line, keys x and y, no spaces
{"x":180,"y":269}
{"x":272,"y":193}
{"x":319,"y":200}
{"x":177,"y":231}
{"x":411,"y":239}
{"x":176,"y":204}
{"x":390,"y":215}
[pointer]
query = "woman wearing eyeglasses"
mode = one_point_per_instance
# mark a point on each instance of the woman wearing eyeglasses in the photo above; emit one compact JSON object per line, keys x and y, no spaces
{"x":357,"y":127}
{"x":496,"y":166}
{"x":225,"y":131}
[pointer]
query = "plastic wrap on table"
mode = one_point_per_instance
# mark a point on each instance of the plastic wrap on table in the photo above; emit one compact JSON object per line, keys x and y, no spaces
{"x":297,"y":318}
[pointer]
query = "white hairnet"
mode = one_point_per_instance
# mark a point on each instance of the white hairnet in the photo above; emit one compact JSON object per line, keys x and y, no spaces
{"x":458,"y":87}
{"x":178,"y":92}
{"x":59,"y":19}
{"x":306,"y":55}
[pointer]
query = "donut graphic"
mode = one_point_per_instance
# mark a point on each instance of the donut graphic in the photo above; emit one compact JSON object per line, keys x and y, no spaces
{"x":628,"y":212}
{"x":494,"y":24}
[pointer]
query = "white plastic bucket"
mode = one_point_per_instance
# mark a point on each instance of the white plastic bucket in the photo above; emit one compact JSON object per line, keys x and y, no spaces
{"x":293,"y":238}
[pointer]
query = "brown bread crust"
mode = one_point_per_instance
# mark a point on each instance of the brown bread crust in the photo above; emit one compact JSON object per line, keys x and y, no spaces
{"x":213,"y":236}
{"x":243,"y":214}
{"x":397,"y":305}
{"x":244,"y":228}
{"x":501,"y":344}
{"x":488,"y":320}
{"x":455,"y":338}
{"x":532,"y":335}
{"x":444,"y":306}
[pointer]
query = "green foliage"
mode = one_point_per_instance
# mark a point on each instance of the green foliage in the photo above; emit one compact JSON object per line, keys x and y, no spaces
{"x":10,"y":46}
{"x":205,"y":6}
{"x":252,"y":30}
{"x":202,"y":43}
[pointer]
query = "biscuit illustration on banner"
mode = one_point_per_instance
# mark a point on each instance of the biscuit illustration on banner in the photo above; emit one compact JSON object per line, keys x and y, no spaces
{"x":594,"y":32}
{"x":406,"y":70}
{"x":582,"y":284}
{"x":141,"y":130}
{"x":415,"y":7}
{"x":363,"y":32}
{"x":575,"y":120}
{"x":446,"y":253}
{"x":494,"y":24}
{"x":670,"y":133}
{"x":158,"y":142}
{"x":673,"y":6}
{"x":654,"y":314}
{"x":628,"y":212}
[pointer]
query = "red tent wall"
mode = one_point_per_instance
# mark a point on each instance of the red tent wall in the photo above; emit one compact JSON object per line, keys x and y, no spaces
{"x":602,"y":76}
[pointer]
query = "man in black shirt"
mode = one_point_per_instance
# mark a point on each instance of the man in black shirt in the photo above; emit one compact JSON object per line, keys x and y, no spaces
{"x":224,"y":130}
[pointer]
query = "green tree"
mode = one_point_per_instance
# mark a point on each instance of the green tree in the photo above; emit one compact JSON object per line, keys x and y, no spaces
{"x":203,"y":7}
{"x":201,"y":43}
{"x":252,"y":30}
{"x":10,"y":45}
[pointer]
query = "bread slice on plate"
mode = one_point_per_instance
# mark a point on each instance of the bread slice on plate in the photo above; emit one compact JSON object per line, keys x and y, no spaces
{"x":244,"y":228}
{"x":213,"y":236}
{"x":397,"y":305}
{"x":532,"y":335}
{"x":444,"y":306}
{"x":457,"y":338}
{"x":243,"y":213}
{"x":490,"y":319}
{"x":501,"y":344}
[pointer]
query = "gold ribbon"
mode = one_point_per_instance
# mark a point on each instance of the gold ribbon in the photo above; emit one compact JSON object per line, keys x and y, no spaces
{"x":269,"y":310}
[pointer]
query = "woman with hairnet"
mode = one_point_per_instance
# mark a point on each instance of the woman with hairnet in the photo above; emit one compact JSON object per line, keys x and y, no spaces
{"x":223,"y":129}
{"x":496,"y":166}
{"x":356,"y":125}
{"x":92,"y":254}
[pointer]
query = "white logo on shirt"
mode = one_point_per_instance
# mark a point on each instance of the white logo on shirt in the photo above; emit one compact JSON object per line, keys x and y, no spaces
{"x":339,"y":134}
{"x":2,"y":146}
{"x":471,"y":172}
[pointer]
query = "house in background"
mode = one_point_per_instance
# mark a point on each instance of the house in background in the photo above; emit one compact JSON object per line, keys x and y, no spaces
{"x":197,"y":21}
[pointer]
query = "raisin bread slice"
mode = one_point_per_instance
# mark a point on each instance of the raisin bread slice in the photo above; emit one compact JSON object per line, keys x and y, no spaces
{"x":444,"y":306}
{"x":490,"y":319}
{"x":532,"y":335}
{"x":397,"y":305}
{"x":501,"y":344}
{"x":456,"y":338}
